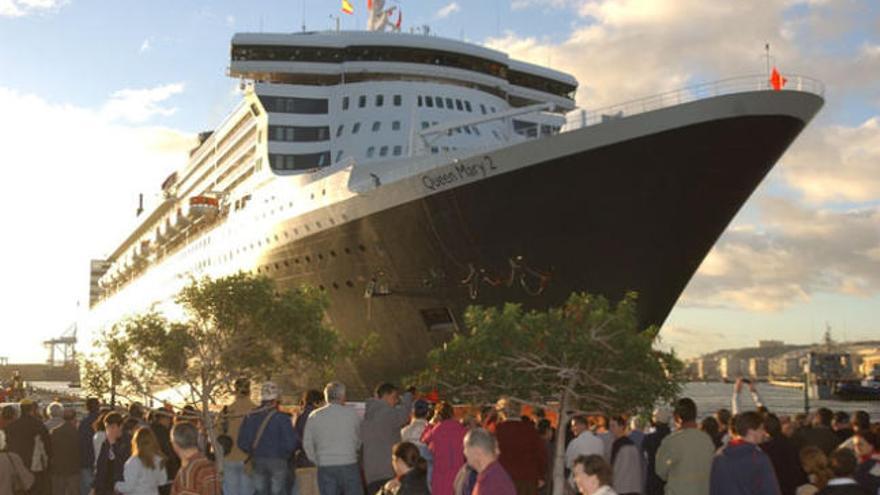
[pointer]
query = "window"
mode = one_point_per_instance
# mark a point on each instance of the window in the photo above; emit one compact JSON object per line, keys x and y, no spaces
{"x":483,"y":108}
{"x":380,"y":100}
{"x":398,"y":150}
{"x":438,"y":101}
{"x":299,"y":162}
{"x":298,"y":134}
{"x":458,"y":105}
{"x":467,"y":129}
{"x":429,"y":102}
{"x":495,"y":133}
{"x":340,"y":129}
{"x":339,"y":155}
{"x":280,"y":104}
{"x":383,"y":151}
{"x":477,"y":130}
{"x":362,"y":101}
{"x":435,"y":150}
{"x":395,"y":126}
{"x":420,"y":100}
{"x":467,"y":105}
{"x":376,"y":126}
{"x":356,"y":127}
{"x":449,"y":103}
{"x":493,"y":109}
{"x":371,"y":151}
{"x":425,"y":124}
{"x":345,"y":103}
{"x":398,"y":100}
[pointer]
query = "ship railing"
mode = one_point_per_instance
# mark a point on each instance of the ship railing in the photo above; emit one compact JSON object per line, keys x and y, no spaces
{"x":741,"y":84}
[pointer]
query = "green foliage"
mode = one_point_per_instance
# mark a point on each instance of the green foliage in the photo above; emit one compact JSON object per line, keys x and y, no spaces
{"x":588,"y":348}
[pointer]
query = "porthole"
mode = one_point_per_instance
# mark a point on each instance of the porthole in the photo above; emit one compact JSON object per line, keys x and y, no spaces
{"x":332,"y":253}
{"x":308,"y":259}
{"x":347,"y":251}
{"x":349,"y":283}
{"x":320,"y":256}
{"x":335,"y":286}
{"x":362,"y":248}
{"x":318,"y":224}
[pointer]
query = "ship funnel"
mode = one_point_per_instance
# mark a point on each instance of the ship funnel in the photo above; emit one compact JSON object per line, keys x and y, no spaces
{"x":140,"y":204}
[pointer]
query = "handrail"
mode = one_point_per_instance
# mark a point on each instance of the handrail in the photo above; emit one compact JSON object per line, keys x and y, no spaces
{"x":740,"y":84}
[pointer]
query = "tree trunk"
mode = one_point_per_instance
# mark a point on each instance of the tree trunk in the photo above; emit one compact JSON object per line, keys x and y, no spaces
{"x":559,"y":462}
{"x":208,"y":419}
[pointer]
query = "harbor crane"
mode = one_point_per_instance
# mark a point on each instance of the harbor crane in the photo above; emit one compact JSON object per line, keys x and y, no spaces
{"x":62,"y":350}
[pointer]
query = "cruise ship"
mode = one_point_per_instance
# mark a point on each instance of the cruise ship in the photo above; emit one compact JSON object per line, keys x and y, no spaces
{"x":409,"y":176}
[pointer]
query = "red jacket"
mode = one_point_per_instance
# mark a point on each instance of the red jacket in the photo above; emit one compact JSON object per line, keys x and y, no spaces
{"x":523,"y":453}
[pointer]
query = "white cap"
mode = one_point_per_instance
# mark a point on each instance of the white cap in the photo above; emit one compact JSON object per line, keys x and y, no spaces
{"x":269,"y":391}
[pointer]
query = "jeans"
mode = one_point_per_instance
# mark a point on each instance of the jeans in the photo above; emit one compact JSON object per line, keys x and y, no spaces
{"x":235,"y":480}
{"x":336,"y":480}
{"x":270,"y":476}
{"x":86,"y":477}
{"x":65,"y":484}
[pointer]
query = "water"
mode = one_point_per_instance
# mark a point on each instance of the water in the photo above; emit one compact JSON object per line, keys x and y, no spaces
{"x":780,"y":400}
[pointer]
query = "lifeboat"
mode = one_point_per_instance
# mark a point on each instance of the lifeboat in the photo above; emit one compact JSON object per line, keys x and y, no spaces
{"x":203,"y":206}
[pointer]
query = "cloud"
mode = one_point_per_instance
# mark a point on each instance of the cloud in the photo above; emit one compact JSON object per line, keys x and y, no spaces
{"x":20,"y":8}
{"x":139,"y":105}
{"x":145,"y":46}
{"x":230,"y":20}
{"x":556,"y":4}
{"x":688,"y":342}
{"x":447,"y":10}
{"x":797,"y":252}
{"x":74,"y":175}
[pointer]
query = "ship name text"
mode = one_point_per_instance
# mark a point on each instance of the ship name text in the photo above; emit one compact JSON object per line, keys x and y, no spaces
{"x":473,"y":169}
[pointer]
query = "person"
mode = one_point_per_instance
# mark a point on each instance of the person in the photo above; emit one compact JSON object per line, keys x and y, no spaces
{"x":840,"y":425}
{"x":481,"y":452}
{"x":584,"y":443}
{"x":522,"y":452}
{"x":843,"y":465}
{"x":741,"y":467}
{"x":114,"y":451}
{"x":548,"y":436}
{"x":268,"y":438}
{"x":64,"y":465}
{"x":306,"y":474}
{"x":7,"y":416}
{"x":709,"y":426}
{"x":410,"y":470}
{"x":12,"y":469}
{"x":331,"y":441}
{"x":592,"y":475}
{"x":197,"y":475}
{"x":54,"y":411}
{"x":235,"y":478}
{"x":98,"y":438}
{"x":684,"y":459}
{"x":660,"y":419}
{"x":626,"y":462}
{"x":723,"y":416}
{"x":867,"y":474}
{"x":815,"y":464}
{"x":861,"y":421}
{"x":637,"y":432}
{"x":600,"y":428}
{"x":161,"y":426}
{"x":28,"y":437}
{"x":385,"y":414}
{"x":819,"y":434}
{"x":735,"y":406}
{"x":144,"y":471}
{"x":86,"y":447}
{"x":444,"y":439}
{"x":783,"y":456}
{"x":412,"y":432}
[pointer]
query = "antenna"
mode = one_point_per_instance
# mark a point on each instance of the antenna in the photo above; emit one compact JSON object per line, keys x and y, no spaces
{"x":767,"y":55}
{"x":303,"y":2}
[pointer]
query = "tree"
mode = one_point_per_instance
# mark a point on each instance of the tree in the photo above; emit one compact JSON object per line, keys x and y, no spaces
{"x":239,"y":325}
{"x":109,"y":371}
{"x":585,"y":356}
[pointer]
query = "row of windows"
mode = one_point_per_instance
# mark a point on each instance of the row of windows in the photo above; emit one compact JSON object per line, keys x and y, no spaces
{"x":401,"y":54}
{"x":298,"y":134}
{"x":299,"y":162}
{"x":284,"y":104}
{"x":383,"y":151}
{"x":467,"y":129}
{"x":448,"y":103}
{"x":376,"y":127}
{"x":378,"y":101}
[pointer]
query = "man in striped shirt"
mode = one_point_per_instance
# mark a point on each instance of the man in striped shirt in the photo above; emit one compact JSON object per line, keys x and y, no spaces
{"x":197,"y":475}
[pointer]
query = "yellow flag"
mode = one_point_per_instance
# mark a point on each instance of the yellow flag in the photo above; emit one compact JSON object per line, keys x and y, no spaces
{"x":347,"y":7}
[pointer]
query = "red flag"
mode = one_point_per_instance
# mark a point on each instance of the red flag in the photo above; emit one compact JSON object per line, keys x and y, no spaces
{"x":347,"y":7}
{"x":399,"y":19}
{"x":369,"y":4}
{"x":776,"y":80}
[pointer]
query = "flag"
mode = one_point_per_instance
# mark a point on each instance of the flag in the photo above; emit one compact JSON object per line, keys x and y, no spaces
{"x":399,"y":19}
{"x":776,"y":80}
{"x":369,"y":4}
{"x":347,"y":8}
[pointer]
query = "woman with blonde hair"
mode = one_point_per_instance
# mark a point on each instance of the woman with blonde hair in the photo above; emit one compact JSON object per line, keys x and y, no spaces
{"x":815,"y":464}
{"x":145,"y":469}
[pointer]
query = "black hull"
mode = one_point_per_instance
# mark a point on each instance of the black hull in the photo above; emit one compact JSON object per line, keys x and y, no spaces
{"x":638,"y":215}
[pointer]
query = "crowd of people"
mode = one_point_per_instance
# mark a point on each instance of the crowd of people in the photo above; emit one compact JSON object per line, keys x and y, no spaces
{"x":406,"y":445}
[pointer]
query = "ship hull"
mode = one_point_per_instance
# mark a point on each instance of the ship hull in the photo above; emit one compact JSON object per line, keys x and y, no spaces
{"x":639,"y":214}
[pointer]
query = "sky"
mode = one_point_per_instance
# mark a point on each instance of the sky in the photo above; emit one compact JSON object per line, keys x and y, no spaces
{"x":101,"y":101}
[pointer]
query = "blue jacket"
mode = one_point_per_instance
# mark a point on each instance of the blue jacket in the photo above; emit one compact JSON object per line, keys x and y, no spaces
{"x":742,"y":469}
{"x":86,"y":447}
{"x":279,"y":440}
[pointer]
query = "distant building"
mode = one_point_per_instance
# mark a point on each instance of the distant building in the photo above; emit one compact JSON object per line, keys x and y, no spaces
{"x":764,"y":344}
{"x":730,"y":367}
{"x":758,"y":368}
{"x":707,"y":368}
{"x":786,"y":366}
{"x":870,"y":365}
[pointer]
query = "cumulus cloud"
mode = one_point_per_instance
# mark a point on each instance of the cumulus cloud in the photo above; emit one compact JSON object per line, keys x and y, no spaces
{"x":139,"y":105}
{"x":20,"y":8}
{"x":447,"y":10}
{"x":145,"y":46}
{"x":796,"y":252}
{"x":73,"y":178}
{"x":688,"y":342}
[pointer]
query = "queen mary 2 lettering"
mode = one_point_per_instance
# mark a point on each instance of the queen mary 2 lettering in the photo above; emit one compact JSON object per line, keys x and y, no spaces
{"x":410,"y":176}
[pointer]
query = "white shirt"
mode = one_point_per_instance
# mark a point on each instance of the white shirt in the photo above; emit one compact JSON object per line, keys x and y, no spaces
{"x":141,"y":480}
{"x":333,"y":435}
{"x":584,"y":444}
{"x":413,"y":431}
